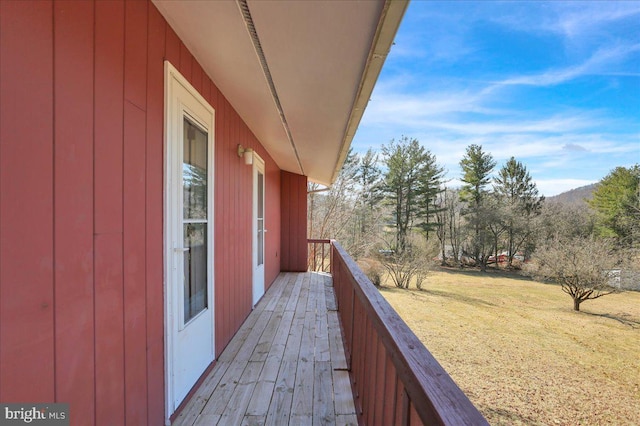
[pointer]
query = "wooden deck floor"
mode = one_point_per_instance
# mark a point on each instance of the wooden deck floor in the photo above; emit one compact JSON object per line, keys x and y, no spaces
{"x":285,"y":365}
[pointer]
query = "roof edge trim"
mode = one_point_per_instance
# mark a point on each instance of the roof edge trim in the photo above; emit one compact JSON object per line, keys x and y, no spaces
{"x":390,"y":19}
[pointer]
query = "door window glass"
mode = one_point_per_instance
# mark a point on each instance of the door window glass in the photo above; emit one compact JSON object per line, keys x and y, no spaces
{"x":260,"y":218}
{"x":195,"y":215}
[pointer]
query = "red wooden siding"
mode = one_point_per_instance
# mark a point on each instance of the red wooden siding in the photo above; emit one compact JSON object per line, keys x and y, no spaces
{"x":73,"y":205}
{"x":81,"y":207}
{"x":108,"y":243}
{"x":294,"y":222}
{"x":26,"y":202}
{"x":156,"y":29}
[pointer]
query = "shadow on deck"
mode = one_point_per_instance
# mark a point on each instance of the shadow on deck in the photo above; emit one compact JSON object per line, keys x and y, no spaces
{"x":286,"y":364}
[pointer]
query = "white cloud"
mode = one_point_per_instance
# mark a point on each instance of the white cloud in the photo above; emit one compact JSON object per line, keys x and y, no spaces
{"x":555,"y":124}
{"x":584,"y":17}
{"x":597,"y":64}
{"x":573,"y":147}
{"x":576,"y":21}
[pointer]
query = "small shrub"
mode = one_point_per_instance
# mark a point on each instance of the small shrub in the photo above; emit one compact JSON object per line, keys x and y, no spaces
{"x":372,"y":270}
{"x":421,"y":276}
{"x":404,"y":268}
{"x":374,"y":276}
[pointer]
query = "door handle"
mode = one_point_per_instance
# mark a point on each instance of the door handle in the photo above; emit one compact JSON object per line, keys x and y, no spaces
{"x":181,"y":249}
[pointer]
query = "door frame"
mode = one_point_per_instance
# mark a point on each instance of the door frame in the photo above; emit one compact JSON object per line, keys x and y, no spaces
{"x":173,"y":106}
{"x":258,"y":165}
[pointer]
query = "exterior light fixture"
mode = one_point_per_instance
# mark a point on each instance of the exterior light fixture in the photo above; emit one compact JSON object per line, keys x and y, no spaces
{"x":247,"y":153}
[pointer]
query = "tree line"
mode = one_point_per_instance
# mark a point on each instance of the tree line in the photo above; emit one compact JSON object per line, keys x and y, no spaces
{"x":396,"y":205}
{"x":388,"y":200}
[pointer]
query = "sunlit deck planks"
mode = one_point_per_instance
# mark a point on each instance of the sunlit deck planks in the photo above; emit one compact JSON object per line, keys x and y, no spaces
{"x":285,"y":365}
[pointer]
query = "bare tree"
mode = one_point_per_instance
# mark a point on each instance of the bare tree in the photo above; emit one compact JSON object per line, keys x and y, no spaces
{"x":581,"y":265}
{"x":454,"y":224}
{"x":368,"y":197}
{"x":563,"y":221}
{"x":494,"y":210}
{"x":441,"y":231}
{"x":332,"y":210}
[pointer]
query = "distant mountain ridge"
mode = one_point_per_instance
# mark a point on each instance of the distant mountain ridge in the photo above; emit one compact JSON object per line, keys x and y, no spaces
{"x":574,"y":196}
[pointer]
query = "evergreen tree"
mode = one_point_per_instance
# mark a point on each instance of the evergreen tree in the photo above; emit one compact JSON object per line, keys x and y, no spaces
{"x":411,"y":172}
{"x":616,"y":202}
{"x":429,"y":186}
{"x":476,"y":169}
{"x":519,"y":195}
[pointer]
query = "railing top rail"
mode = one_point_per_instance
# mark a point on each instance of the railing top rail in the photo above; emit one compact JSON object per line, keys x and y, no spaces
{"x":435,"y":395}
{"x":319,"y":240}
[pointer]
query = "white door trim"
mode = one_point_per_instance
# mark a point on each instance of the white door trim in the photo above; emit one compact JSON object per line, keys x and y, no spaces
{"x":203,"y":115}
{"x":258,"y":270}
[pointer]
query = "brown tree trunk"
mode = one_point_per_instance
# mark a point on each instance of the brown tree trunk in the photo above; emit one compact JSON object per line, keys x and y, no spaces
{"x":576,"y":304}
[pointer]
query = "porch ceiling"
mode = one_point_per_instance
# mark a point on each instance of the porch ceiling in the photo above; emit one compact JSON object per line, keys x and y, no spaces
{"x":322,"y":57}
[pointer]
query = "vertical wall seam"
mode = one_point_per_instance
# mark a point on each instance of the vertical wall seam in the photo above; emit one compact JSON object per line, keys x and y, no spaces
{"x":146,"y":205}
{"x":95,"y":369}
{"x":0,"y":210}
{"x":122,"y":240}
{"x":53,"y":195}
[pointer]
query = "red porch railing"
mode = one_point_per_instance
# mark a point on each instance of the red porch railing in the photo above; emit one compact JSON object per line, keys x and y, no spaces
{"x":395,"y":379}
{"x":319,"y":255}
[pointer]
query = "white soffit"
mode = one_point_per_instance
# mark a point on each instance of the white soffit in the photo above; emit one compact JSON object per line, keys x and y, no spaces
{"x":323,"y":56}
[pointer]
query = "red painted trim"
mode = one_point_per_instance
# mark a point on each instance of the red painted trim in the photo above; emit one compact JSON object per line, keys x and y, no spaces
{"x":134,"y":266}
{"x":219,"y":228}
{"x":273,"y":252}
{"x":154,"y":217}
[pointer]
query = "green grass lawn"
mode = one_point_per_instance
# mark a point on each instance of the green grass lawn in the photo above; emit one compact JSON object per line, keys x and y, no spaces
{"x":520,"y":352}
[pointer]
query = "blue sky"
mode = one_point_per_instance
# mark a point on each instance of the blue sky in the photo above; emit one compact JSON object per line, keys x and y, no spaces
{"x":554,"y":84}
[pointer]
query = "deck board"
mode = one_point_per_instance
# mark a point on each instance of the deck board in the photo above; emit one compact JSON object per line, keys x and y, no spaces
{"x":323,"y":404}
{"x":303,"y":390}
{"x":280,"y":407}
{"x":284,"y":366}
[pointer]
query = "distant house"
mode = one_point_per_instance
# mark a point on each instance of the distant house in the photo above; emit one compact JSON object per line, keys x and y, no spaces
{"x":503,"y":257}
{"x":154,"y":159}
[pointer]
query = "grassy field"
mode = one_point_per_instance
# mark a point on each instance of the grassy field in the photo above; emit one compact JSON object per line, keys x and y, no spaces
{"x":522,"y":355}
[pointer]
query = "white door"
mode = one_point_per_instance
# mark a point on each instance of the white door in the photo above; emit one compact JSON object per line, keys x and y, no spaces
{"x":188,"y":237}
{"x":258,"y":228}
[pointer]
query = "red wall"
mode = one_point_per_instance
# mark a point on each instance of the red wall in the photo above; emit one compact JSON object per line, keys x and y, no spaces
{"x":81,"y":207}
{"x":294,"y":222}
